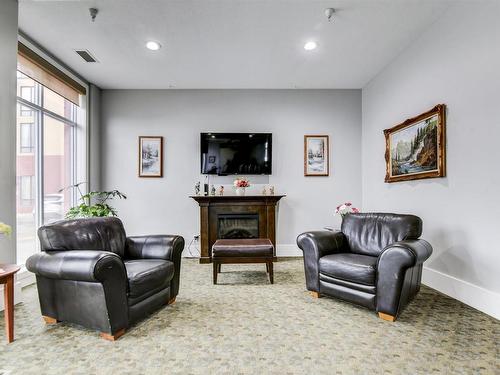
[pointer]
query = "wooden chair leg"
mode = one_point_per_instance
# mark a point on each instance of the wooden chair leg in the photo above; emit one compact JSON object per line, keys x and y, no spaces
{"x":171,"y":301}
{"x":315,"y":294}
{"x":387,"y":317}
{"x":271,"y":272}
{"x":219,"y":267}
{"x":267,"y":267}
{"x":216,"y":266}
{"x":49,"y":320}
{"x":110,"y":337}
{"x":9,"y":308}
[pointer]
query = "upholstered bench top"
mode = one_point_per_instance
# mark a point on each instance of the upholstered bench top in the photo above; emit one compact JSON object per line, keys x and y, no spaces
{"x":244,"y":247}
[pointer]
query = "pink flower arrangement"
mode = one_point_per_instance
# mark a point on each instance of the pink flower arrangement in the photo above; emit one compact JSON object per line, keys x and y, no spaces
{"x":241,"y":182}
{"x":346,"y":209}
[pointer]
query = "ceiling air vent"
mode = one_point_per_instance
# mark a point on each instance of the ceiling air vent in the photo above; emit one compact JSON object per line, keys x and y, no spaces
{"x":86,"y":55}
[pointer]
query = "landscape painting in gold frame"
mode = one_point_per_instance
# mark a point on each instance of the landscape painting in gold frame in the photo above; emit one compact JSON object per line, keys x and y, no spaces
{"x":415,"y":148}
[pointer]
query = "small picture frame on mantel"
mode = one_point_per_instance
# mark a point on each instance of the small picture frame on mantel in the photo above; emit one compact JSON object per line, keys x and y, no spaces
{"x":316,"y":155}
{"x":150,"y":156}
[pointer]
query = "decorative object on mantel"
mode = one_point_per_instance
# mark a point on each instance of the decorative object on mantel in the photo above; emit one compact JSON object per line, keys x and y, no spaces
{"x":316,"y":155}
{"x":271,"y":190}
{"x":212,"y":190}
{"x":221,"y":190}
{"x":264,"y":190}
{"x":241,"y":184}
{"x":416,"y":148}
{"x":94,"y":203}
{"x":5,"y":229}
{"x":346,"y":209}
{"x":197,"y":188}
{"x":150,"y":156}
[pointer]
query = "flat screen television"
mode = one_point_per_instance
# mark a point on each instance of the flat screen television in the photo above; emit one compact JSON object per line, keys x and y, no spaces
{"x":236,"y":153}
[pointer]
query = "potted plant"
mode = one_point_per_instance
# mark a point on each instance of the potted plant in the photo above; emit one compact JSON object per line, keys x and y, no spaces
{"x":241,"y":184}
{"x":94,"y":203}
{"x":5,"y":230}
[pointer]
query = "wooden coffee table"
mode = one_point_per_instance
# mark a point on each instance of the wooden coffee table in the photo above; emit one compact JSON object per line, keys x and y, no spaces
{"x":258,"y":250}
{"x":7,"y":272}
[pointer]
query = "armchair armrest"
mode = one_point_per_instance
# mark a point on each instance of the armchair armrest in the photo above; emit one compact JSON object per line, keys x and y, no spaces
{"x":392,"y":265}
{"x":77,"y":265}
{"x":315,"y":245}
{"x":167,"y":247}
{"x":53,"y":268}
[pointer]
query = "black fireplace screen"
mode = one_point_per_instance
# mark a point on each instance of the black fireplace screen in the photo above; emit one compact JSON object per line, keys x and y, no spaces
{"x":238,"y":226}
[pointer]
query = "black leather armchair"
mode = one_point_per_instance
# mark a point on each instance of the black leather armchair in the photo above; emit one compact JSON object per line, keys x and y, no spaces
{"x":90,"y":273}
{"x":374,"y":261}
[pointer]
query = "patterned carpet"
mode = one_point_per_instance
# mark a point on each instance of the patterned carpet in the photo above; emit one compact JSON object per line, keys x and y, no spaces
{"x":247,"y":326}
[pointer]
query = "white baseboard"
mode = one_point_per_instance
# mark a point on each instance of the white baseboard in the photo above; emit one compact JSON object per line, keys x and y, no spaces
{"x":475,"y":296}
{"x":288,"y":251}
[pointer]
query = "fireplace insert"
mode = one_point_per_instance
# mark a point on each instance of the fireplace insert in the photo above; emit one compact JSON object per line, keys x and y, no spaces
{"x":237,"y":226}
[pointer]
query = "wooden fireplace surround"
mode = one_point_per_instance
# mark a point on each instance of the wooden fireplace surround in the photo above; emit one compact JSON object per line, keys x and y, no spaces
{"x":213,"y":205}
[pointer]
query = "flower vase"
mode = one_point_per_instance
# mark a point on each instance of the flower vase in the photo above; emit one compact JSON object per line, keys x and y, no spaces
{"x":240,"y":191}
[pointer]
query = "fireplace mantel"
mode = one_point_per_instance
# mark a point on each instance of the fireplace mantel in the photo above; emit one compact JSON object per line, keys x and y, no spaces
{"x":211,"y":206}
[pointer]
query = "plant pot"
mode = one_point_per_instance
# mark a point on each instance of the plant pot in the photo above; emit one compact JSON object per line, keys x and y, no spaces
{"x":240,"y":191}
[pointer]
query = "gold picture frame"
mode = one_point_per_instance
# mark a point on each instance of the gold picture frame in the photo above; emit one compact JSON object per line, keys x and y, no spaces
{"x":416,"y":148}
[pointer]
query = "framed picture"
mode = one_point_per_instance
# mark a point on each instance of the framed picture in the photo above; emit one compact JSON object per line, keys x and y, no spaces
{"x":150,"y":156}
{"x":316,"y":155}
{"x":416,"y":148}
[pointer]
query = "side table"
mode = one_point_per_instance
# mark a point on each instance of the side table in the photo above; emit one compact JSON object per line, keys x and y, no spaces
{"x":7,"y":272}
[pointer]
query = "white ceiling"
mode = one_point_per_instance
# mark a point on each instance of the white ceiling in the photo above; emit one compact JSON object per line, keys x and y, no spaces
{"x":228,"y":43}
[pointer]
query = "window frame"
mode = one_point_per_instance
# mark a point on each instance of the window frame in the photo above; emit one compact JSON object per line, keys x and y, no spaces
{"x":80,"y":139}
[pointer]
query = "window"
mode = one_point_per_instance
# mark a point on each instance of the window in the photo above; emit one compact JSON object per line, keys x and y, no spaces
{"x":25,"y":111}
{"x":27,"y":189}
{"x":26,"y":138}
{"x":47,"y":159}
{"x":26,"y":93}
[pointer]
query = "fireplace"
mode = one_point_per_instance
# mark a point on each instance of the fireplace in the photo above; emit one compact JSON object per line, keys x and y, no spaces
{"x":234,"y":216}
{"x":238,"y":226}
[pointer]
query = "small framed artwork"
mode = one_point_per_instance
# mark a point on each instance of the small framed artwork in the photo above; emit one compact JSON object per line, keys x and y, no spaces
{"x":150,"y":156}
{"x":415,"y":148}
{"x":316,"y":155}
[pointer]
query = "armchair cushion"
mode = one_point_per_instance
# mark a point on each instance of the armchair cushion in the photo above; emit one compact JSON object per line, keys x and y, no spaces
{"x":355,"y":268}
{"x":147,"y":276}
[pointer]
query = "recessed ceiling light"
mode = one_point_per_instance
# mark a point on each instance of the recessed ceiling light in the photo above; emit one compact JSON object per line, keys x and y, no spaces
{"x":309,"y":46}
{"x":153,"y":46}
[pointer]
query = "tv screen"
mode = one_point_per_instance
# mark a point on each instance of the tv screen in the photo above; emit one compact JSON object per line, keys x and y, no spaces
{"x":236,"y":153}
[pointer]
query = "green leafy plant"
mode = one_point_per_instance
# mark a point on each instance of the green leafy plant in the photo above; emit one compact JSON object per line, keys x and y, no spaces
{"x":94,"y":203}
{"x":5,"y":229}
